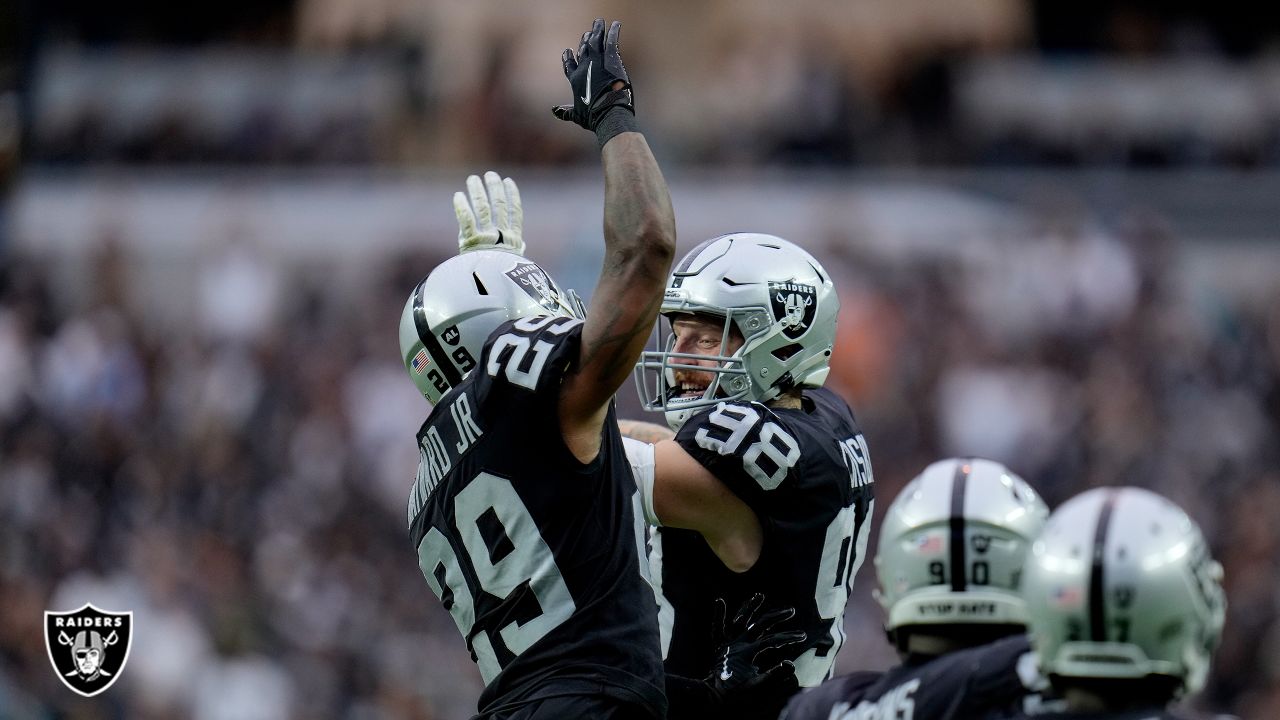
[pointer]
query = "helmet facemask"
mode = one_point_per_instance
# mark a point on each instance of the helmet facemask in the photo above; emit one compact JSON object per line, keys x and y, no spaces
{"x":730,"y":379}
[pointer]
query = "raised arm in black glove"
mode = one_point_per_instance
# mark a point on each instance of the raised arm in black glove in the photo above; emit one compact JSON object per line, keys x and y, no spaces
{"x":602,"y":101}
{"x":736,"y":687}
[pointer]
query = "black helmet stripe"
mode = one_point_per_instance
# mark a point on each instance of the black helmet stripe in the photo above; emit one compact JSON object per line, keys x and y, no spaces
{"x":684,"y":267}
{"x":429,"y":341}
{"x":959,"y":482}
{"x":1097,"y":586}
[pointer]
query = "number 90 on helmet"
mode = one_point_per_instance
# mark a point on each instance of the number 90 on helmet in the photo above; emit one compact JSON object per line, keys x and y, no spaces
{"x":453,"y":310}
{"x":774,"y":294}
{"x":952,"y":547}
{"x":1120,"y":585}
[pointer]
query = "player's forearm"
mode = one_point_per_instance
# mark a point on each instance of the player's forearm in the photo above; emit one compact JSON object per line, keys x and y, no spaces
{"x":639,"y":245}
{"x":686,"y":495}
{"x":645,"y":431}
{"x":639,"y":224}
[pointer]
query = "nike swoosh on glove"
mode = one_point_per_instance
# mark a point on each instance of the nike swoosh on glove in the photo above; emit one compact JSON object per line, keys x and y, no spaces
{"x":592,"y":72}
{"x":740,"y":687}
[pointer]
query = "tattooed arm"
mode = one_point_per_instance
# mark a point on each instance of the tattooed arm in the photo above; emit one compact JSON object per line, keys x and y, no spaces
{"x":639,"y":239}
{"x":645,"y":431}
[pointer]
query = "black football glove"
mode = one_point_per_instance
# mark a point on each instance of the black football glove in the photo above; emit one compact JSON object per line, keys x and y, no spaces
{"x":592,"y":73}
{"x":738,"y":685}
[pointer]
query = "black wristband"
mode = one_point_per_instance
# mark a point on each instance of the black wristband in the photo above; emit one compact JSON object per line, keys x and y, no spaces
{"x":616,"y":120}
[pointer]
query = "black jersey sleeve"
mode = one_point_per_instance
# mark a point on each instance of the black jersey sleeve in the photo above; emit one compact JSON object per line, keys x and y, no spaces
{"x":524,"y":362}
{"x":999,"y":674}
{"x":1143,"y":714}
{"x":742,"y":445}
{"x":967,"y":684}
{"x":821,"y":702}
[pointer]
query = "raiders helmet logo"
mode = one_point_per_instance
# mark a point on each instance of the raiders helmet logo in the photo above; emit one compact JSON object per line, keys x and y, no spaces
{"x":88,"y":647}
{"x":534,"y":282}
{"x":794,"y":306}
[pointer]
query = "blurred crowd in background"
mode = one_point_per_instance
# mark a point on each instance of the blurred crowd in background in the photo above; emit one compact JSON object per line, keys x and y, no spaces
{"x":236,"y":476}
{"x":238,"y":481}
{"x":988,"y":82}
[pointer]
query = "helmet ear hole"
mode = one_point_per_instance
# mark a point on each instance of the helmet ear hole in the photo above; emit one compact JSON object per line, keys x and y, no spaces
{"x":785,"y":352}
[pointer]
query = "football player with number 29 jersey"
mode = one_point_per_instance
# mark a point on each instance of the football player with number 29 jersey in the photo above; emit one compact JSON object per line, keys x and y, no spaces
{"x":752,"y":321}
{"x":950,"y":558}
{"x":524,"y":514}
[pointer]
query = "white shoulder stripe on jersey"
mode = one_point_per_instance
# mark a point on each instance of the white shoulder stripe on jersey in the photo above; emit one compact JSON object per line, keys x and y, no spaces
{"x":640,"y":455}
{"x":666,"y":612}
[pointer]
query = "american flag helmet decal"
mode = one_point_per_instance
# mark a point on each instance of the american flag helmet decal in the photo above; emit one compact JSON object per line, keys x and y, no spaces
{"x":420,"y":361}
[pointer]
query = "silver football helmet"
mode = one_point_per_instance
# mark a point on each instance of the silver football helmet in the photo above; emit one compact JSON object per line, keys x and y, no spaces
{"x":1121,"y":585}
{"x":952,"y":546}
{"x":775,"y":294}
{"x":451,"y":313}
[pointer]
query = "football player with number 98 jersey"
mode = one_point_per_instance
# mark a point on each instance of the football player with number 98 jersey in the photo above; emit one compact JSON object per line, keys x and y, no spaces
{"x":752,"y":321}
{"x":807,"y":475}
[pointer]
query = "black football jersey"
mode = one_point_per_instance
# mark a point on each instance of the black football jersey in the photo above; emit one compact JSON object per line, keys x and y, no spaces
{"x":807,"y":475}
{"x":963,"y":685}
{"x":1152,"y":714}
{"x":538,"y":557}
